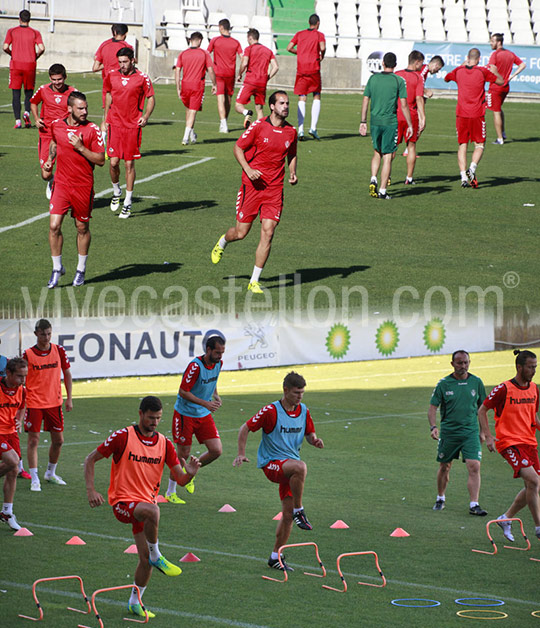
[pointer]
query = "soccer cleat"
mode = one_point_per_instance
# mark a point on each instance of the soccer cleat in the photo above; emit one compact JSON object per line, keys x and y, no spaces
{"x":247,"y":119}
{"x":35,"y":486}
{"x":190,"y":486}
{"x":24,"y":475}
{"x":55,"y":277}
{"x":217,"y":252}
{"x":506,"y":527}
{"x":499,"y":141}
{"x":301,"y":136}
{"x":53,"y":478}
{"x":17,"y":124}
{"x":165,"y":566}
{"x":464,"y":184}
{"x":301,"y":520}
{"x":405,"y":152}
{"x":373,"y":190}
{"x":223,"y":128}
{"x":389,"y":182}
{"x":126,"y":212}
{"x":48,"y":190}
{"x":472,"y":178}
{"x":275,"y":564}
{"x":314,"y":134}
{"x":10,"y":520}
{"x":185,"y":142}
{"x":137,"y":609}
{"x":193,"y":137}
{"x":384,"y":197}
{"x":78,"y":280}
{"x":411,"y":182}
{"x":255,"y":287}
{"x":173,"y":498}
{"x":476,"y":510}
{"x":115,"y":203}
{"x":26,"y":118}
{"x":439,"y":505}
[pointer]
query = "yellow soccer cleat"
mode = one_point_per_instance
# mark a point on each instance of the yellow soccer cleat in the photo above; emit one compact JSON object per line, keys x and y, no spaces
{"x":173,"y":498}
{"x":165,"y":566}
{"x":137,"y":609}
{"x":190,"y":486}
{"x":255,"y":287}
{"x":217,"y":252}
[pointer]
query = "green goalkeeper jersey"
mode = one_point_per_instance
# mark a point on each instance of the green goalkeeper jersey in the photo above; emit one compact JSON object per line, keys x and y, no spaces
{"x":459,"y":400}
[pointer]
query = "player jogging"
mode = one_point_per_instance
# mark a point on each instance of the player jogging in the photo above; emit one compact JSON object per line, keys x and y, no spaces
{"x":504,"y":60}
{"x":126,"y":90}
{"x":285,"y":424}
{"x":53,"y":98}
{"x":139,"y":455}
{"x":262,"y":151}
{"x":458,"y":395}
{"x":12,"y":402}
{"x":515,"y":403}
{"x":197,"y":399}
{"x":470,"y":111}
{"x":309,"y":46}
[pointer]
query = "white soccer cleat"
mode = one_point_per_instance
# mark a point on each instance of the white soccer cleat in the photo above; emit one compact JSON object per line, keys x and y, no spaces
{"x":54,"y":479}
{"x":506,"y":527}
{"x":193,"y":137}
{"x":35,"y":486}
{"x":126,"y":212}
{"x":115,"y":203}
{"x":10,"y":520}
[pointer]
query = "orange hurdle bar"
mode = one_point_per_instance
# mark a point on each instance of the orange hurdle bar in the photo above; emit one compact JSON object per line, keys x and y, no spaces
{"x":367,"y":584}
{"x":316,"y":575}
{"x":76,"y":610}
{"x":123,"y":586}
{"x":523,"y":549}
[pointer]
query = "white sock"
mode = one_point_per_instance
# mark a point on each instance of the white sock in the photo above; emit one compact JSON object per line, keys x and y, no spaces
{"x":56,"y":262}
{"x":374,"y":180}
{"x":81,"y":266}
{"x":18,"y":120}
{"x":153,"y":549}
{"x":463,"y":175}
{"x":133,"y":598}
{"x":51,"y":468}
{"x":7,"y":509}
{"x":127,"y":200}
{"x":255,"y":275}
{"x":473,"y":504}
{"x":382,"y":191}
{"x":21,"y":465}
{"x":104,"y":136}
{"x":441,"y":498}
{"x":315,"y":111}
{"x":274,"y":555}
{"x":117,"y":190}
{"x":245,"y":112}
{"x":172,"y":487}
{"x":222,"y":242}
{"x":34,"y":474}
{"x":297,"y":510}
{"x":409,"y":178}
{"x":301,"y":114}
{"x":187,"y":134}
{"x":473,"y":167}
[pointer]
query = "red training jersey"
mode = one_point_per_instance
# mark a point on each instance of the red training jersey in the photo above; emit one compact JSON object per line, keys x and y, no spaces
{"x":11,"y":401}
{"x":225,"y":49}
{"x":106,"y":54}
{"x":72,"y":169}
{"x":266,"y":419}
{"x":23,"y":40}
{"x":471,"y":102}
{"x":415,"y":89}
{"x":504,"y":60}
{"x":266,"y":147}
{"x":128,"y":92}
{"x":257,"y":70}
{"x":54,"y":104}
{"x":194,"y":62}
{"x":43,"y":382}
{"x":308,"y":50}
{"x":423,"y":72}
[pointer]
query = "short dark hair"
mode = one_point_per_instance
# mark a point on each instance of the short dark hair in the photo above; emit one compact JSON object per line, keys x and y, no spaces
{"x":439,"y":59}
{"x":24,"y":16}
{"x":273,"y":97}
{"x":196,"y":35}
{"x":225,"y":23}
{"x":314,"y":19}
{"x":213,"y":341}
{"x":254,"y":33}
{"x":415,"y":55}
{"x":57,"y":68}
{"x":498,"y":37}
{"x":43,"y":323}
{"x":119,"y":29}
{"x":150,"y":403}
{"x":474,"y":53}
{"x":75,"y":96}
{"x":460,"y":351}
{"x":126,"y":52}
{"x":294,"y":380}
{"x":15,"y":364}
{"x":522,"y":355}
{"x":390,"y":60}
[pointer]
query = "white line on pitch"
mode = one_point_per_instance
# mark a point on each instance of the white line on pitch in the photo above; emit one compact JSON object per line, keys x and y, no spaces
{"x":109,"y":191}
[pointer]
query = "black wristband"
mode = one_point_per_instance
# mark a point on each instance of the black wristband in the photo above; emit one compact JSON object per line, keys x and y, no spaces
{"x":433,"y":427}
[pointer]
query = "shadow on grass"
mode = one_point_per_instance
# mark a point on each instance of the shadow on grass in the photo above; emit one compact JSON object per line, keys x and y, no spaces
{"x":524,"y":139}
{"x":169,"y":208}
{"x":334,"y":136}
{"x":309,"y":275}
{"x":128,"y":271}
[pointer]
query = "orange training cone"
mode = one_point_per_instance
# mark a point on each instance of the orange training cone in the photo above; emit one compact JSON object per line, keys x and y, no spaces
{"x":132,"y":549}
{"x":23,"y":532}
{"x":400,"y":532}
{"x":339,"y":524}
{"x":190,"y":558}
{"x":75,"y":540}
{"x":278,"y":517}
{"x":227,"y":508}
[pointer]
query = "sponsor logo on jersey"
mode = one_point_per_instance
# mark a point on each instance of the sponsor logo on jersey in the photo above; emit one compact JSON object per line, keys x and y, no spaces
{"x":144,"y":459}
{"x":449,"y":392}
{"x":514,"y":401}
{"x":290,"y":430}
{"x":473,"y":393}
{"x":41,"y":367}
{"x":58,"y":100}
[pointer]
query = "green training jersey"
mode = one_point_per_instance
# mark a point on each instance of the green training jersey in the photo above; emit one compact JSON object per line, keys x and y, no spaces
{"x":384,"y":89}
{"x":459,"y":400}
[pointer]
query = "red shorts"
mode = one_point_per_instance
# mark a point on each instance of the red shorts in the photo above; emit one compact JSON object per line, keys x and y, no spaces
{"x":471,"y":130}
{"x":183,"y":428}
{"x":225,"y":85}
{"x":521,"y":457}
{"x":192,"y":96}
{"x":307,"y":84}
{"x":123,"y":511}
{"x":18,"y":78}
{"x":274,"y":472}
{"x":10,"y":441}
{"x":495,"y":100}
{"x":402,"y":130}
{"x":79,"y":199}
{"x":247,"y":91}
{"x":124,"y":142}
{"x":250,"y":201}
{"x":53,"y":419}
{"x":44,"y":142}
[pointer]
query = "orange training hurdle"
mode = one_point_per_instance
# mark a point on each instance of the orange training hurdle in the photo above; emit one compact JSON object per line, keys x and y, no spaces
{"x":123,"y":586}
{"x":524,"y":549}
{"x":367,"y":584}
{"x":316,"y":575}
{"x":40,"y":609}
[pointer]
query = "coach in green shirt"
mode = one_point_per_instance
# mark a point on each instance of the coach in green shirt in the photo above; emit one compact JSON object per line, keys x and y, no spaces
{"x":383,"y":90}
{"x":459,"y":395}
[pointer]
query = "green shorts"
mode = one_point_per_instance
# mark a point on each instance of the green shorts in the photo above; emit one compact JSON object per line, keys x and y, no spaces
{"x":450,"y":448}
{"x":384,"y":138}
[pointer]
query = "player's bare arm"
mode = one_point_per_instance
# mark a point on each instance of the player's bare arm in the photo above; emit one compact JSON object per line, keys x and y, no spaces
{"x":7,"y":49}
{"x":212,"y":76}
{"x":293,"y":179}
{"x":97,"y":66}
{"x":150,"y":104}
{"x":52,"y":155}
{"x":362,"y":129}
{"x":95,"y":499}
{"x":177,"y":80}
{"x":40,"y":51}
{"x":484,"y":426}
{"x":322,"y":48}
{"x":108,"y":103}
{"x":191,"y":466}
{"x":68,"y":383}
{"x":292,"y":48}
{"x":274,"y":68}
{"x":243,"y":67}
{"x":520,"y":68}
{"x":217,"y":398}
{"x":252,"y":174}
{"x":313,"y":440}
{"x":39,"y":122}
{"x":97,"y":159}
{"x":243,"y":434}
{"x":211,"y":406}
{"x":407,"y":114}
{"x":19,"y":419}
{"x":432,"y":418}
{"x":421,"y":113}
{"x":500,"y":80}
